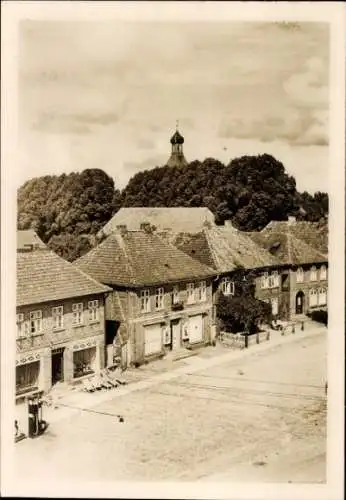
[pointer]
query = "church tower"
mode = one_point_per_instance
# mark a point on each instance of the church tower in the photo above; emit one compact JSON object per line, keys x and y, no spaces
{"x":177,"y":158}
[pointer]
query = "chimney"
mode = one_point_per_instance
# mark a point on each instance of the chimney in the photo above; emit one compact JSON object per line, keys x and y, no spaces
{"x":122,"y":228}
{"x":145,"y":226}
{"x":291,"y":220}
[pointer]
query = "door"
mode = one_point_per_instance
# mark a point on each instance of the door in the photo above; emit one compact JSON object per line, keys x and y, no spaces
{"x":196,"y":328}
{"x":152,"y":339}
{"x":176,"y":333}
{"x":275,"y":306}
{"x":57,"y":365}
{"x":300,"y":302}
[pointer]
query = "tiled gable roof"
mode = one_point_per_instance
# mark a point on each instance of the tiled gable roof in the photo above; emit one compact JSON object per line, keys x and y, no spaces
{"x":288,"y":249}
{"x":27,"y":238}
{"x":224,"y":249}
{"x":44,"y":276}
{"x":178,"y":219}
{"x":137,"y":258}
{"x":314,"y":234}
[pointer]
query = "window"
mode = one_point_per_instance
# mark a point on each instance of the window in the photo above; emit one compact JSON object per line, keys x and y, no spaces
{"x":36,"y":322}
{"x":175,"y":296}
{"x":300,"y":275}
{"x":93,"y":306}
{"x":22,"y":326}
{"x":159,"y":298}
{"x":58,"y":317}
{"x":322,"y":297}
{"x":313,"y":274}
{"x":313,"y":298}
{"x":145,"y":301}
{"x":190,"y":293}
{"x":276,"y":279}
{"x":323,"y":273}
{"x":264,"y":280}
{"x":77,"y":310}
{"x":201,"y":291}
{"x":227,"y":286}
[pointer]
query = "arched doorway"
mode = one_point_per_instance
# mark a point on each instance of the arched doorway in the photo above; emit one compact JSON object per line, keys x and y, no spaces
{"x":300,"y":302}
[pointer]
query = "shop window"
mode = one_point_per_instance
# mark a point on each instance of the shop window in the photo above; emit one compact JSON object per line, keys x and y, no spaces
{"x":58,"y":317}
{"x":93,"y":306}
{"x":77,"y":312}
{"x":84,"y":362}
{"x":27,"y":377}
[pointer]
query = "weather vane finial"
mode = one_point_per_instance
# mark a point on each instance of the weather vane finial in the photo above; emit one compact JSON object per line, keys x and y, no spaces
{"x":177,"y":125}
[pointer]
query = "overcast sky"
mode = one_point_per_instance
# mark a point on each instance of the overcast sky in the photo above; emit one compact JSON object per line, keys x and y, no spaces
{"x":107,"y":95}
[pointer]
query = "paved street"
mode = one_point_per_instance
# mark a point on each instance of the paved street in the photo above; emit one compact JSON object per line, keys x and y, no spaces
{"x":261,"y":417}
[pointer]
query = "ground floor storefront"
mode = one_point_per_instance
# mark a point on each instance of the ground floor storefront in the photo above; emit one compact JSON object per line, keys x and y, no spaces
{"x":157,"y":337}
{"x":39,"y":370}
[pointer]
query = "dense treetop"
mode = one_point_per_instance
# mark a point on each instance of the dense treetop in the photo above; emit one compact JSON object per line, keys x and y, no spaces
{"x":68,"y":210}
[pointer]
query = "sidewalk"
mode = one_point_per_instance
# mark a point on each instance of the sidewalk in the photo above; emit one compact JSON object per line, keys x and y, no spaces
{"x":76,"y":401}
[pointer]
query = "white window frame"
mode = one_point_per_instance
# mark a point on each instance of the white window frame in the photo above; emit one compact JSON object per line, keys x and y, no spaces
{"x":145,"y":301}
{"x":265,"y":280}
{"x":202,"y":291}
{"x":175,"y":295}
{"x":93,"y":307}
{"x":313,"y":274}
{"x":58,"y":317}
{"x":35,"y":324}
{"x":300,"y":275}
{"x":313,"y":293}
{"x":77,"y":314}
{"x":22,"y":326}
{"x":276,"y":279}
{"x":159,"y":296}
{"x":275,"y":300}
{"x":227,"y":286}
{"x":323,"y":273}
{"x":324,"y":291}
{"x":190,"y":288}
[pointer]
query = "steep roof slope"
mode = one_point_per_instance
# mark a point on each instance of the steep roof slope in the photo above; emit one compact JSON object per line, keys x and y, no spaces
{"x":189,"y":219}
{"x":288,"y":249}
{"x":137,"y":258}
{"x":44,"y":276}
{"x":314,"y":234}
{"x":224,"y":249}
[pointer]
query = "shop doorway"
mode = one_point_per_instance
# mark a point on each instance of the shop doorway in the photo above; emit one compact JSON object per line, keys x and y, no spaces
{"x":57,"y":365}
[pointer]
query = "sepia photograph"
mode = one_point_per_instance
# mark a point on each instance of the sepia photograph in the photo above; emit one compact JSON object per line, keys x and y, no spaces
{"x":172,"y":296}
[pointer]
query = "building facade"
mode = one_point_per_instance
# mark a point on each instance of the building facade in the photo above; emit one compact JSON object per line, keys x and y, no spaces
{"x":60,"y":322}
{"x":164,"y":296}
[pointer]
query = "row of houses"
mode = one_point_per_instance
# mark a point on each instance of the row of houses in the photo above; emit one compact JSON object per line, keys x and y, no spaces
{"x":149,"y":289}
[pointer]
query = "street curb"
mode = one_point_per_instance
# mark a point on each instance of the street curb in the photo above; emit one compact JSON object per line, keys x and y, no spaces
{"x":195,"y":364}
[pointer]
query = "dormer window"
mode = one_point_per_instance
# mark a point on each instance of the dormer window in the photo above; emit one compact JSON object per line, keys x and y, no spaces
{"x":264,"y":280}
{"x":175,"y":295}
